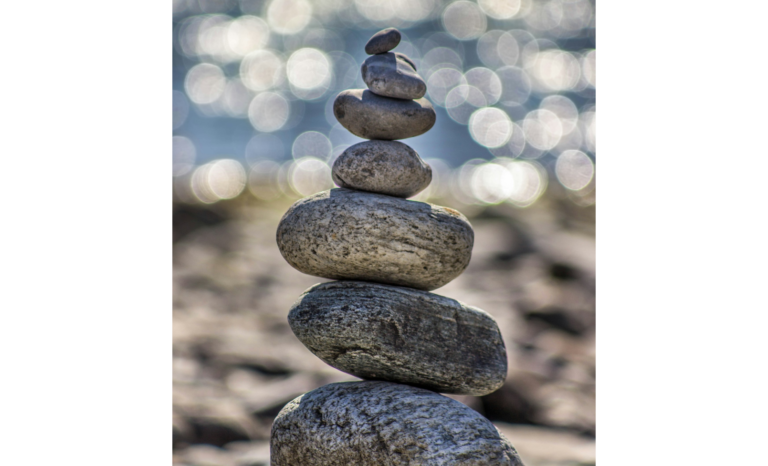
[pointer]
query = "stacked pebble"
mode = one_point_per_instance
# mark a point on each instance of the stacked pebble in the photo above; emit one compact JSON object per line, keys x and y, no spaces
{"x":379,"y":321}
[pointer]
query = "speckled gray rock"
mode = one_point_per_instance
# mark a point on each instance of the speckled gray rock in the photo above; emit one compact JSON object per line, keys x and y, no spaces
{"x":398,"y":334}
{"x":372,"y":116}
{"x":391,"y":75}
{"x":384,"y":424}
{"x":351,"y":235}
{"x":385,"y":167}
{"x":383,"y":41}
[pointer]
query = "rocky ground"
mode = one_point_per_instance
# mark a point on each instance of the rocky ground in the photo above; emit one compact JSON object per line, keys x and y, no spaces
{"x":236,"y":361}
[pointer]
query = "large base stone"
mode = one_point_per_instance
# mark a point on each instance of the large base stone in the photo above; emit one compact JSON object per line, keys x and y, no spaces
{"x":350,"y":235}
{"x":402,"y":335}
{"x":384,"y":424}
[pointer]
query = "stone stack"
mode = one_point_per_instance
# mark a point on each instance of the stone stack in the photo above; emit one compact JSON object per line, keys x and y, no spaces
{"x":378,"y":321}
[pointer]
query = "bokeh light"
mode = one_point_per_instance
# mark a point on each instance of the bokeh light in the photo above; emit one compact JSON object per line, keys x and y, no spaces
{"x":309,"y":175}
{"x":543,"y":129}
{"x":490,"y":127}
{"x":289,"y":16}
{"x":218,"y":180}
{"x":205,"y":83}
{"x":261,"y":70}
{"x":464,"y":20}
{"x":312,"y":144}
{"x":500,"y":9}
{"x":184,"y":154}
{"x":309,"y":72}
{"x":574,"y":169}
{"x":269,"y":111}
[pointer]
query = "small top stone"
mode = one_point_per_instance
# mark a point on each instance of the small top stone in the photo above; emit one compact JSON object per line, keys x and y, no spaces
{"x":383,"y":41}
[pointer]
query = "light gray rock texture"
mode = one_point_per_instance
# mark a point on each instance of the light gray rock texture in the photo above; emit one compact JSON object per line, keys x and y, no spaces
{"x":393,"y":75}
{"x":384,"y":167}
{"x":383,"y":41}
{"x":372,"y":116}
{"x":351,"y":235}
{"x":384,"y":424}
{"x":397,"y":334}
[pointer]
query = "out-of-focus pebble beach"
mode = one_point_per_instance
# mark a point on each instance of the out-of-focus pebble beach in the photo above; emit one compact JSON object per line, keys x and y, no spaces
{"x":236,"y":362}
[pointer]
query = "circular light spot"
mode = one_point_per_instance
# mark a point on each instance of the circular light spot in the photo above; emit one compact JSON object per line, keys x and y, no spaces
{"x":515,"y":85}
{"x":289,"y":16}
{"x":262,"y":180}
{"x":490,"y":127}
{"x":486,"y":81}
{"x":204,"y":83}
{"x":237,"y":98}
{"x":184,"y":154}
{"x":461,"y":101}
{"x":226,"y":178}
{"x":500,"y":9}
{"x":441,"y":82}
{"x":529,"y":181}
{"x":564,"y":108}
{"x":556,"y":70}
{"x":269,"y":112}
{"x":309,"y":73}
{"x":180,"y":109}
{"x":488,"y":48}
{"x":514,"y":147}
{"x":261,"y":70}
{"x":491,"y":183}
{"x":588,"y":67}
{"x":312,"y":144}
{"x":264,"y":147}
{"x":464,"y":20}
{"x":440,"y":57}
{"x":309,"y":175}
{"x":246,"y":34}
{"x":574,"y":169}
{"x":508,"y":49}
{"x":543,"y":129}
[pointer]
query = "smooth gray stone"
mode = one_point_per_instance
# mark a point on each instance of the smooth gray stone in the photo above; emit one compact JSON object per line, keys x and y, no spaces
{"x":384,"y":167}
{"x":383,"y":41}
{"x":384,"y":424}
{"x":391,"y":75}
{"x":385,"y":332}
{"x":351,"y":235}
{"x":371,"y":116}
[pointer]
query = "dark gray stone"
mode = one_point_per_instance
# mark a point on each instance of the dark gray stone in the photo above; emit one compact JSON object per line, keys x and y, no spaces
{"x":391,"y":75}
{"x":371,"y":116}
{"x":351,"y":235}
{"x":384,"y":424}
{"x":398,"y":334}
{"x":383,"y":41}
{"x":384,"y":167}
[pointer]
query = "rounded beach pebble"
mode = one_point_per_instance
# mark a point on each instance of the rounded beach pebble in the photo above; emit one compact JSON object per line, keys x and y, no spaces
{"x":350,"y":235}
{"x":383,"y":41}
{"x":384,"y":424}
{"x":371,"y":116}
{"x":384,"y":167}
{"x":398,"y":334}
{"x":392,"y":75}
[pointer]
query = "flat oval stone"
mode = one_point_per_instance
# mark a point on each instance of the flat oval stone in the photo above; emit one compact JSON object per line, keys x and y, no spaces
{"x":384,"y":167}
{"x":402,"y":335}
{"x":383,"y":41}
{"x":351,"y":235}
{"x":371,"y":116}
{"x":390,"y":75}
{"x":384,"y":424}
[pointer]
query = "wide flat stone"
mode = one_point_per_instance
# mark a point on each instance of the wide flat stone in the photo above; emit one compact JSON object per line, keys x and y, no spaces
{"x":397,"y":334}
{"x":383,"y":41}
{"x":351,"y":235}
{"x":371,"y":116}
{"x":384,"y":424}
{"x":384,"y":167}
{"x":393,"y":75}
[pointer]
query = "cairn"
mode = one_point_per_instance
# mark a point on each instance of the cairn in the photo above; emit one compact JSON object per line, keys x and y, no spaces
{"x":378,"y":321}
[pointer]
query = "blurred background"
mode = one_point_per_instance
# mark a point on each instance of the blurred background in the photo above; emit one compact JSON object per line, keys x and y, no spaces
{"x":513,"y":84}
